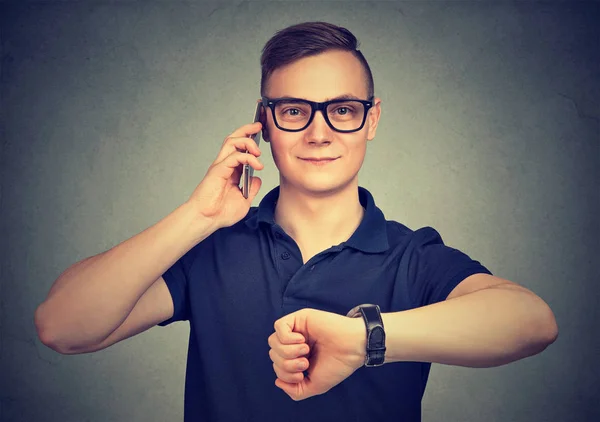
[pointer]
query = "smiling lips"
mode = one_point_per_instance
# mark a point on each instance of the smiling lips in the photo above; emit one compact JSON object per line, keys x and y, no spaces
{"x":319,"y":161}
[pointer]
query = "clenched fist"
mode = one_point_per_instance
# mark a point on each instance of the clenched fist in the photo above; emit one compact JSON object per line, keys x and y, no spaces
{"x":328,"y":346}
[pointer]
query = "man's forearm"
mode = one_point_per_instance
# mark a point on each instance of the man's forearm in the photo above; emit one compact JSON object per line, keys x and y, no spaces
{"x":486,"y":328}
{"x":93,"y":297}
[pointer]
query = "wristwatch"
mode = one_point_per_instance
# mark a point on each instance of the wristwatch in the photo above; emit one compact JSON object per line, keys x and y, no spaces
{"x":375,"y":332}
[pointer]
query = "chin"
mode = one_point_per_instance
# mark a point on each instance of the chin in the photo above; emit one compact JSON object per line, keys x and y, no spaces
{"x":321,"y":184}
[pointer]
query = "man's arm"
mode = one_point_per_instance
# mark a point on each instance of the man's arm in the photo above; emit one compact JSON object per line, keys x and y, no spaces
{"x":487,"y":327}
{"x":118,"y":293}
{"x":108,"y":297}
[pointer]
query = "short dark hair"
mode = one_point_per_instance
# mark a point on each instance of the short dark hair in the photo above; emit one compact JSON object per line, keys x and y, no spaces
{"x":308,"y":39}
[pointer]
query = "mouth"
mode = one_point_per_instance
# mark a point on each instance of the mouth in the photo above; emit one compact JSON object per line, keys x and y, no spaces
{"x":319,"y":159}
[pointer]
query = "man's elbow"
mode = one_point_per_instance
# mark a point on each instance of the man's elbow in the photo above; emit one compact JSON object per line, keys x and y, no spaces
{"x":46,"y":335}
{"x":550,"y":328}
{"x":540,"y":335}
{"x":50,"y":342}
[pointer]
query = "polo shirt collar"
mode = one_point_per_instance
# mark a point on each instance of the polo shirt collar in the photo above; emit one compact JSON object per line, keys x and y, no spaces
{"x":370,"y":236}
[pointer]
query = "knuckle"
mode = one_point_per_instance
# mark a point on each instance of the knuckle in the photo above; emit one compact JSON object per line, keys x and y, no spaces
{"x":294,"y":351}
{"x":289,"y":353}
{"x":282,"y":350}
{"x":290,"y":366}
{"x":276,"y":369}
{"x":286,"y":376}
{"x":291,"y":378}
{"x":282,"y":374}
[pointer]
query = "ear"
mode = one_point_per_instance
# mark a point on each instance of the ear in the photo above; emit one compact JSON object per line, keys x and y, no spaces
{"x":263,"y":121}
{"x":373,"y":118}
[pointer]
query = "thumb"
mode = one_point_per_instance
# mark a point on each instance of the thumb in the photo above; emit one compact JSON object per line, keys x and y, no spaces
{"x":255,"y":185}
{"x":284,"y":328}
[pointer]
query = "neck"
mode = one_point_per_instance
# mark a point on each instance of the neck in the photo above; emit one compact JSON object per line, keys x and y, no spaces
{"x":323,"y":219}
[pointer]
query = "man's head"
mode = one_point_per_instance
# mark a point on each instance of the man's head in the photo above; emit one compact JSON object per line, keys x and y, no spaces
{"x":308,"y":39}
{"x":317,"y":61}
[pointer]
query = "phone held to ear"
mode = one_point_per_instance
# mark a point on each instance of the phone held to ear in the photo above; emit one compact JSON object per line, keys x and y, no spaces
{"x":248,"y":171}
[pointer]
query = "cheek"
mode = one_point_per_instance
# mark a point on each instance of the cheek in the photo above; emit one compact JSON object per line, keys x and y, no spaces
{"x":279,"y":151}
{"x":283,"y":145}
{"x":274,"y":153}
{"x":358,"y":146}
{"x":357,"y":154}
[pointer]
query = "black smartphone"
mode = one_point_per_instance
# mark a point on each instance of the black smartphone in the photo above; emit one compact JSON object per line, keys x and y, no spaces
{"x":248,"y":170}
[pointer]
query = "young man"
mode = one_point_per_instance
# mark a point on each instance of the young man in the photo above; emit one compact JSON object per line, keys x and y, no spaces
{"x":267,"y":290}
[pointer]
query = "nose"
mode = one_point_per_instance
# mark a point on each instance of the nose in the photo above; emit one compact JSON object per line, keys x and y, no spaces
{"x":318,"y":131}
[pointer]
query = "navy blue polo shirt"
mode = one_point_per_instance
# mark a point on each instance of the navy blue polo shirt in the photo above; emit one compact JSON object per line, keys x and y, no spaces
{"x":236,"y":283}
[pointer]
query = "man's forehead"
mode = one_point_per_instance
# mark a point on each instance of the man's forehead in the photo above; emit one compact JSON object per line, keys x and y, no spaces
{"x":357,"y":90}
{"x":345,"y":96}
{"x":321,"y":77}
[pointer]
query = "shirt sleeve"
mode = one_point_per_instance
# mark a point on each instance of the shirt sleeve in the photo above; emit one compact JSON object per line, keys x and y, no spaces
{"x":177,"y":278}
{"x":436,"y":269}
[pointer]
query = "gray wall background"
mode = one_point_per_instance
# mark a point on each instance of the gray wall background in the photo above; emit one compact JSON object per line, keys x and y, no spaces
{"x":113,"y":111}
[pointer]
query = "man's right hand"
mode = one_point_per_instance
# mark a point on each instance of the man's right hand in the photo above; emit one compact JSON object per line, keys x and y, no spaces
{"x":218,"y":198}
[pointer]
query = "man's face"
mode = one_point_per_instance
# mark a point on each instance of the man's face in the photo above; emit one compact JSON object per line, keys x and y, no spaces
{"x":320,"y":78}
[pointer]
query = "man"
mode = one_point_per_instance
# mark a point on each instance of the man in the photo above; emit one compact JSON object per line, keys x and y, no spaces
{"x":267,"y":289}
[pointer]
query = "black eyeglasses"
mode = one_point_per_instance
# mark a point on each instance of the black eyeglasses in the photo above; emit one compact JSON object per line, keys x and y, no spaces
{"x":296,"y":114}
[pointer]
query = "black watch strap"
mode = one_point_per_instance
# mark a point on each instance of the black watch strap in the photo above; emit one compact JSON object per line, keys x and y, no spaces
{"x":375,"y":332}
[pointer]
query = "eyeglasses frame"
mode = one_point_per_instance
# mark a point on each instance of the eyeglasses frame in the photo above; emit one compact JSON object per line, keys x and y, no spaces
{"x":316,"y":106}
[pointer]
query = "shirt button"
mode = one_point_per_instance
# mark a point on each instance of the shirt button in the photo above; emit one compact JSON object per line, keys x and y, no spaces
{"x":285,"y":255}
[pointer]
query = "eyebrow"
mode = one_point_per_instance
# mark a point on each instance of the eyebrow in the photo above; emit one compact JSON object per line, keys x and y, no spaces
{"x":343,"y":97}
{"x":338,"y":97}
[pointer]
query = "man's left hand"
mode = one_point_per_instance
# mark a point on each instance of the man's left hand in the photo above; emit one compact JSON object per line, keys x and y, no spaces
{"x":330,"y":347}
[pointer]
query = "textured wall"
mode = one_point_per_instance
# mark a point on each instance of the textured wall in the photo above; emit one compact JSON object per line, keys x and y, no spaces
{"x":113,"y":111}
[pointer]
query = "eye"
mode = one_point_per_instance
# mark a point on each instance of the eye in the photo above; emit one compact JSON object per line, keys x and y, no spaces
{"x":293,"y":110}
{"x":344,"y":110}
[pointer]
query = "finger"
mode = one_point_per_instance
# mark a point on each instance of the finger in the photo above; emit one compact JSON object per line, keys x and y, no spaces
{"x":237,"y":158}
{"x":289,"y":377}
{"x":248,"y":145}
{"x":233,"y":164}
{"x":246,"y":130}
{"x":294,"y":390}
{"x":254,"y":188}
{"x":288,"y":351}
{"x":255,"y":182}
{"x":284,"y":330}
{"x":245,"y":145}
{"x":292,"y":365}
{"x":237,"y":144}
